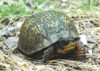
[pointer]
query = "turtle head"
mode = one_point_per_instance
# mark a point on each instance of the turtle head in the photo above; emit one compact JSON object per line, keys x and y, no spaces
{"x":67,"y":45}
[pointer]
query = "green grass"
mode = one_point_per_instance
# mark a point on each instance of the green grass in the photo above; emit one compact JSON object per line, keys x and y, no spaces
{"x":13,"y":9}
{"x":40,"y":1}
{"x":90,"y":4}
{"x":19,"y":8}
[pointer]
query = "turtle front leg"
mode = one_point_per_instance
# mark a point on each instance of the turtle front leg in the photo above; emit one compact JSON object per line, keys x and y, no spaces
{"x":48,"y":54}
{"x":79,"y":51}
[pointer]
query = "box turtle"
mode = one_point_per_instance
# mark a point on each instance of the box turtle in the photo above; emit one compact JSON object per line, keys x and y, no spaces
{"x":47,"y":34}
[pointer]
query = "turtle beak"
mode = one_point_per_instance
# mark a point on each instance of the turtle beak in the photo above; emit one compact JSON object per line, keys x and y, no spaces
{"x":68,"y":48}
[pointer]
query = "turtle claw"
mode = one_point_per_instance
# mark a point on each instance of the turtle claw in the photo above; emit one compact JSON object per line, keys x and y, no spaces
{"x":80,"y":53}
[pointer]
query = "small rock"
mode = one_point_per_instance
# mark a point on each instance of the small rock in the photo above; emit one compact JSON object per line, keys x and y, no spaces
{"x":91,"y":39}
{"x":11,"y":29}
{"x":7,"y":30}
{"x":11,"y":42}
{"x":83,"y":39}
{"x":63,"y":2}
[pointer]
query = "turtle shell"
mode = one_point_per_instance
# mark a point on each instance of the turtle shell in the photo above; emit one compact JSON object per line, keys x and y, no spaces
{"x":44,"y":29}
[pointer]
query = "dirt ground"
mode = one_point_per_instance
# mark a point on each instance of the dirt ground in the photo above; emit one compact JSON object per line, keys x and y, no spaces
{"x":88,"y":26}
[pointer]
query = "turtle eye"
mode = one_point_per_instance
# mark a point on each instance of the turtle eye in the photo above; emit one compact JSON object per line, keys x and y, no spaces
{"x":63,"y":43}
